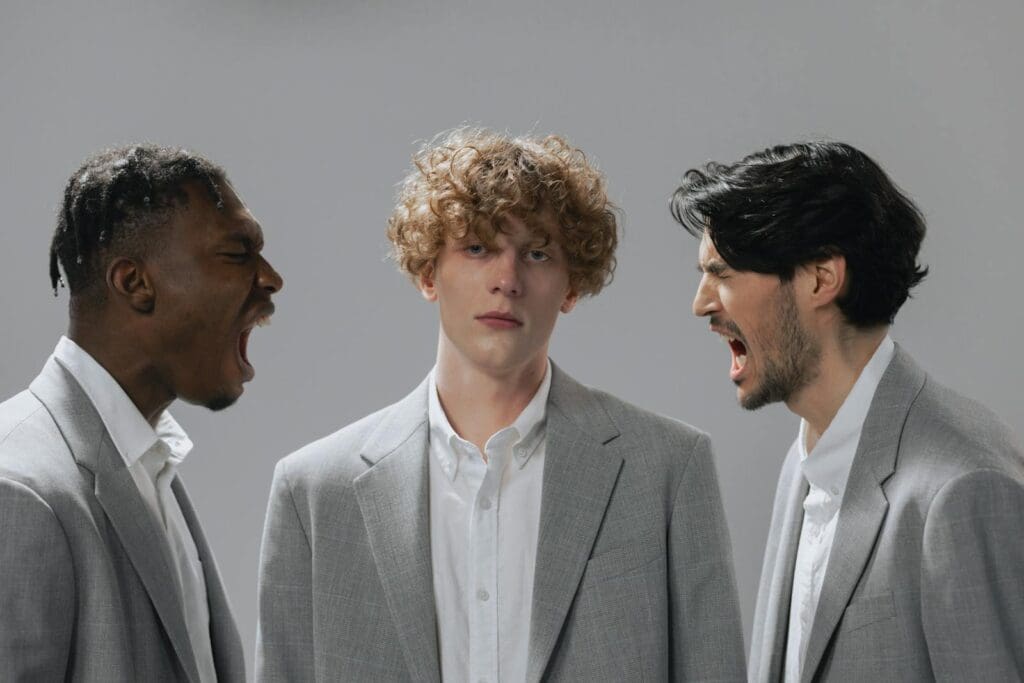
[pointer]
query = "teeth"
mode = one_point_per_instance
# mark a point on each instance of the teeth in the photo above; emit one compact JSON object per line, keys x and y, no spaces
{"x":263,"y":321}
{"x":741,"y":360}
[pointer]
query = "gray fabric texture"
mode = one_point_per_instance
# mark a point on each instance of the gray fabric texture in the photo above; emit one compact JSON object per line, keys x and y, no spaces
{"x":926,"y":576}
{"x":89,"y":591}
{"x":634,"y":577}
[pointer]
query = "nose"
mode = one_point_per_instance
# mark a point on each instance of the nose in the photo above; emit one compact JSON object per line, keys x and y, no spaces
{"x":267,"y":278}
{"x":705,"y":302}
{"x":506,"y":278}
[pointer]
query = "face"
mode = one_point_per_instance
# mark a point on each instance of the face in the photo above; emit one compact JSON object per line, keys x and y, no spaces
{"x":211,"y":287}
{"x":773,"y":353}
{"x":499,"y":304}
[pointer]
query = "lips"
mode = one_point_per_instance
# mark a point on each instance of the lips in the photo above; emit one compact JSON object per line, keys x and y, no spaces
{"x":500,"y":320}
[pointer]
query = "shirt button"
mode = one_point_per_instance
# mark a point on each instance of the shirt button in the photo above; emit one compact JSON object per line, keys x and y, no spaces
{"x":483,"y":595}
{"x":485,"y":503}
{"x":835,"y":491}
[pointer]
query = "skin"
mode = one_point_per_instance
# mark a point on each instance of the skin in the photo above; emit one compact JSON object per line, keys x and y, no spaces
{"x":488,"y":368}
{"x":756,"y":307}
{"x":172,"y":323}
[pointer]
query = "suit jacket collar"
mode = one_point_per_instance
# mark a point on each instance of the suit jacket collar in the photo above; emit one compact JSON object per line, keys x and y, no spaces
{"x":138,"y":530}
{"x":864,"y":502}
{"x":580,"y":470}
{"x":228,"y":656}
{"x":581,"y":466}
{"x":771,"y":622}
{"x":393,"y":497}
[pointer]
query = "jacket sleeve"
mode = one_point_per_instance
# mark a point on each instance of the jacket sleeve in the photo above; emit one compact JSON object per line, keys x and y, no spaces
{"x":37,"y":588}
{"x":705,"y":627}
{"x":284,"y":634}
{"x":972,"y":583}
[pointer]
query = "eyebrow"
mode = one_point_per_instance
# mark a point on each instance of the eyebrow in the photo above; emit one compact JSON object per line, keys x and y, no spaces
{"x":714,"y":267}
{"x":246,"y":238}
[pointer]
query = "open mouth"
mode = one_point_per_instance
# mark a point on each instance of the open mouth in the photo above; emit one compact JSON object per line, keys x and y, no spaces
{"x":738,"y":350}
{"x":243,"y":352}
{"x":243,"y":346}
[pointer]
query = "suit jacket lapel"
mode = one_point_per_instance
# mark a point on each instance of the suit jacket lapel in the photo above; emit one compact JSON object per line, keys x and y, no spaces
{"x":579,"y":475}
{"x":142,"y":538}
{"x":227,"y":644}
{"x":777,"y":586}
{"x":393,"y":497}
{"x":864,"y":502}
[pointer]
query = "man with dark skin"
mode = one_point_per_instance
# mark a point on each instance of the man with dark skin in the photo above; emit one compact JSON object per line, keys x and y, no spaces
{"x":107,"y":575}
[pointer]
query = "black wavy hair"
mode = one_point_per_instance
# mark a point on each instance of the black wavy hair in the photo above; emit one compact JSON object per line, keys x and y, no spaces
{"x":116,"y":200}
{"x":793,"y":204}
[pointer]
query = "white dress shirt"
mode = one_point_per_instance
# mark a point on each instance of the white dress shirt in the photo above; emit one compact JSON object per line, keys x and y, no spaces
{"x":826,"y":469}
{"x":152,"y":457}
{"x":484,"y":520}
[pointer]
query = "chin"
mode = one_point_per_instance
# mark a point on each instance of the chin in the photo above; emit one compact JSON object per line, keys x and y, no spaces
{"x":221,"y":401}
{"x":753,"y":400}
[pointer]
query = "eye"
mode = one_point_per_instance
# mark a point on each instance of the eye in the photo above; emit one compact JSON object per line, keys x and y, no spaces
{"x":236,"y":256}
{"x":537,"y":256}
{"x":475,"y":249}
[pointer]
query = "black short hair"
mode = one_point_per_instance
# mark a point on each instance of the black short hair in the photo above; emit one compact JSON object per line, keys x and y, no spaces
{"x":793,"y":204}
{"x":118,"y":198}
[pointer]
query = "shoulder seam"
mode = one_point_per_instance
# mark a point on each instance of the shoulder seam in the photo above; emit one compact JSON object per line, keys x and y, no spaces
{"x":21,"y":422}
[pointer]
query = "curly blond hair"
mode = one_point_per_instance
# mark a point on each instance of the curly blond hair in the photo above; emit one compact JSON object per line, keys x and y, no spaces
{"x":467,"y":179}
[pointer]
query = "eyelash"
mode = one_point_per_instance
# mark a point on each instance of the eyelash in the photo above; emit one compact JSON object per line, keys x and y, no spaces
{"x":472,"y":251}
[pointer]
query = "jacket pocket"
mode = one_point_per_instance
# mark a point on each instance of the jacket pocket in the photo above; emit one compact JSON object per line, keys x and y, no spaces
{"x":622,"y":561}
{"x":866,"y":611}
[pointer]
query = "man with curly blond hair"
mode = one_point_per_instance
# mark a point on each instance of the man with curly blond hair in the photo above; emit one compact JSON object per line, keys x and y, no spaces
{"x":502,"y":522}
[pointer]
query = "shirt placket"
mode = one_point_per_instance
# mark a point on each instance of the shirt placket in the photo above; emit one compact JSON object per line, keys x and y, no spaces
{"x":483,"y":600}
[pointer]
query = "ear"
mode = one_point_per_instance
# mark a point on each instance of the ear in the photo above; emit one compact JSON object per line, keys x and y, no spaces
{"x":570,"y":301}
{"x":128,"y":281}
{"x":828,"y":279}
{"x":425,"y":283}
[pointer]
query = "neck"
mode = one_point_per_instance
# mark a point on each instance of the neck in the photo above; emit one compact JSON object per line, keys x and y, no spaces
{"x":843,"y":357}
{"x":478,"y":401}
{"x":120,"y":355}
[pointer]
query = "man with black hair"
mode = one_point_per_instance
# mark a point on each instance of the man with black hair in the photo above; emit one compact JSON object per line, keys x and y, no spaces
{"x":106,"y":573}
{"x":895,"y":550}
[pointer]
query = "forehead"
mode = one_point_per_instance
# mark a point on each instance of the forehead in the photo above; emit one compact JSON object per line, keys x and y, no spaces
{"x":708,"y":254}
{"x":535,"y":227}
{"x":231,"y":222}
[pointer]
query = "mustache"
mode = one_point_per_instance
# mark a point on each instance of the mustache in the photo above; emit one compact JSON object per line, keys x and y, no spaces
{"x":728,"y":326}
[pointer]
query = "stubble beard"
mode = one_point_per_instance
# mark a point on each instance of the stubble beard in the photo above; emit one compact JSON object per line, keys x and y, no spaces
{"x":790,"y":356}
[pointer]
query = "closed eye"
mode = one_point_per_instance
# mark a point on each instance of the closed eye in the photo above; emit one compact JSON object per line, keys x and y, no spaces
{"x":238,"y":256}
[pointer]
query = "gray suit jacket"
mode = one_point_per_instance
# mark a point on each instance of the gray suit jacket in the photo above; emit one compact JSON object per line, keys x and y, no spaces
{"x":634,"y":577}
{"x":926,"y":576}
{"x":88,"y":589}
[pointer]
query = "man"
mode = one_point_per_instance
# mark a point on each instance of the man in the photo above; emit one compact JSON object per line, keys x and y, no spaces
{"x":895,"y":551}
{"x":502,"y":522}
{"x":106,"y":573}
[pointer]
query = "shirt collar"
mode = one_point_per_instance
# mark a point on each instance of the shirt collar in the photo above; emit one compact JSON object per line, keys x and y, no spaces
{"x":131,"y":434}
{"x":833,"y":455}
{"x":523,"y":436}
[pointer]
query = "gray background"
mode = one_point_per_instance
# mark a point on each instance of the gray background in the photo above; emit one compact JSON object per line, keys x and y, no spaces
{"x":315,"y":108}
